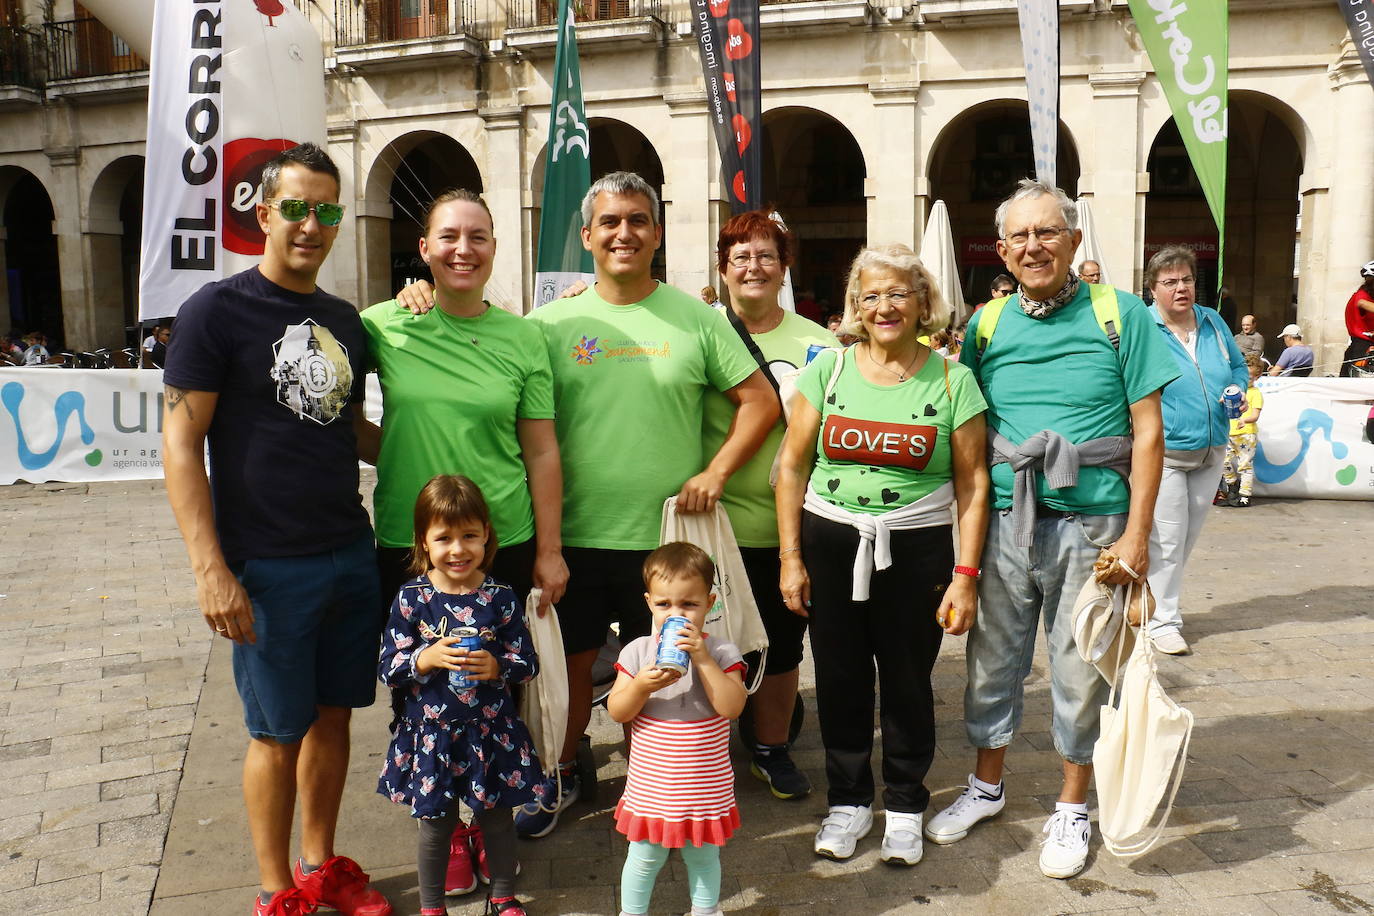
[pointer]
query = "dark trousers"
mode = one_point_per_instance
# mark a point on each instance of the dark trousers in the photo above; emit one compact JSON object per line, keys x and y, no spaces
{"x":896,"y":629}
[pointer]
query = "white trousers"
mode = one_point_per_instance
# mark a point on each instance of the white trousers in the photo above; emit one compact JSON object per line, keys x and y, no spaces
{"x":1185,"y":499}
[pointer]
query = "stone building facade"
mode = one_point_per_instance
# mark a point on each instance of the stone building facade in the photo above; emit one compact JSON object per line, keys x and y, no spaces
{"x":871,"y":113}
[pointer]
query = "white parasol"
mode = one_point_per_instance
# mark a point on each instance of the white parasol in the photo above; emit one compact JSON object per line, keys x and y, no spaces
{"x":1090,"y":250}
{"x":937,"y":254}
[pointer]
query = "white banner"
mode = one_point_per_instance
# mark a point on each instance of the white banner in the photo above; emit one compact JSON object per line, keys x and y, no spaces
{"x":1040,"y":50}
{"x":80,"y":424}
{"x":91,"y":424}
{"x":1312,"y":438}
{"x":230,"y":87}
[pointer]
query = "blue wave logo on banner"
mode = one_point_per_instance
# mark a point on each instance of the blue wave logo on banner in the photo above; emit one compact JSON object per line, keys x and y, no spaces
{"x":1310,"y":422}
{"x":66,"y":404}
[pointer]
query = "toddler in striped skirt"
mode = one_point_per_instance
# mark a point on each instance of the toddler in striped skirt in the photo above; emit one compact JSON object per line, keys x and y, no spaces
{"x":679,"y":789}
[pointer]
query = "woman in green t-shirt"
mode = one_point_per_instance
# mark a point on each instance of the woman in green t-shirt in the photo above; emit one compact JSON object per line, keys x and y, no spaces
{"x":883,"y":439}
{"x":466,"y":389}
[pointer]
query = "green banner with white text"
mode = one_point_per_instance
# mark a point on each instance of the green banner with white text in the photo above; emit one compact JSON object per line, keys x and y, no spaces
{"x":560,"y":259}
{"x":1187,"y":44}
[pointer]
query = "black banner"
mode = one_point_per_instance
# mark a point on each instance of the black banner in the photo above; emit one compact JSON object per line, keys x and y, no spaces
{"x":728,"y":40}
{"x":1359,"y":16}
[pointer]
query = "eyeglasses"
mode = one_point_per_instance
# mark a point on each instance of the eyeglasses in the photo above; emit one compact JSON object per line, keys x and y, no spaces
{"x":741,"y":261}
{"x":293,"y":210}
{"x":1005,"y":291}
{"x":897,"y":297}
{"x":1046,"y":235}
{"x":1176,"y":281}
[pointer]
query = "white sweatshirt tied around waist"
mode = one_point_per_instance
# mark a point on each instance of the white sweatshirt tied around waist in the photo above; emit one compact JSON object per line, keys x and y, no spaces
{"x":875,"y":531}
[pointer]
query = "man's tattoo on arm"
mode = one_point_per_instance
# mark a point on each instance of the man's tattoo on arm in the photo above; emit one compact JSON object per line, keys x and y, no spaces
{"x":176,"y":396}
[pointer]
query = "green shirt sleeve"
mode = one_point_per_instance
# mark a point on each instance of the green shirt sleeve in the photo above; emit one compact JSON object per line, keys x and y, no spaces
{"x":968,"y":398}
{"x":812,"y":381}
{"x":1146,"y":364}
{"x":536,"y":397}
{"x":727,"y":358}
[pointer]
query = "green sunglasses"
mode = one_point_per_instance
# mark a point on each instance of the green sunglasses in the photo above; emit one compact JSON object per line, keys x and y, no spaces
{"x":293,"y":210}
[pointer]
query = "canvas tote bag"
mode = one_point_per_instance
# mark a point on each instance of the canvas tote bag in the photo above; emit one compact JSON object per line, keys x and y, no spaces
{"x":734,"y":615}
{"x":1142,"y":742}
{"x":544,"y":701}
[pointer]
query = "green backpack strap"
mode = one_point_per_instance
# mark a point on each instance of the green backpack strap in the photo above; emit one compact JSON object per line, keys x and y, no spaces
{"x":1106,"y":309}
{"x":988,"y":316}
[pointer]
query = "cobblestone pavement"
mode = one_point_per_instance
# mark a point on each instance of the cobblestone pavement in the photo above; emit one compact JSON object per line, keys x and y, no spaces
{"x":121,"y":742}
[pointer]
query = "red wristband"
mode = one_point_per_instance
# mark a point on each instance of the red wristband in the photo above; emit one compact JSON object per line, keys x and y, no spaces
{"x":972,"y":572}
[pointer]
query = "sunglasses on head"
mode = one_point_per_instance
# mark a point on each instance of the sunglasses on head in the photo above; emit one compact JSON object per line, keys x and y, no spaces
{"x":293,"y":210}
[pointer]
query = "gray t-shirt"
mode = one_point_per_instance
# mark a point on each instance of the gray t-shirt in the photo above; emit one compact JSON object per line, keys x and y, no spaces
{"x":685,"y":700}
{"x":1251,"y":343}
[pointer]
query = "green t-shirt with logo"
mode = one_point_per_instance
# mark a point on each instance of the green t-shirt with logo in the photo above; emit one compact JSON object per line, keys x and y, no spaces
{"x":881,"y":447}
{"x":629,"y":381}
{"x":452,"y":389}
{"x":748,"y":497}
{"x":1062,"y":373}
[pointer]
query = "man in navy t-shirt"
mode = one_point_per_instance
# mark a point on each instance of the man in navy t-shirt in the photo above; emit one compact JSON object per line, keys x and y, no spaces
{"x":269,"y":368}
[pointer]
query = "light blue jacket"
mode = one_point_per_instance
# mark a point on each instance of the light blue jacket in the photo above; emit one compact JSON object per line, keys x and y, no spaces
{"x":1193,"y":415}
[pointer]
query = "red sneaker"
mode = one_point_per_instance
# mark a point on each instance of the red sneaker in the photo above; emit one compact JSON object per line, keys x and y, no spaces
{"x":433,"y":911}
{"x":459,"y":878}
{"x":340,"y":883}
{"x":505,"y":906}
{"x":290,"y":902}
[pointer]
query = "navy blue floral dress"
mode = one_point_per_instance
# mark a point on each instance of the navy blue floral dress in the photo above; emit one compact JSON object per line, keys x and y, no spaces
{"x":458,"y":743}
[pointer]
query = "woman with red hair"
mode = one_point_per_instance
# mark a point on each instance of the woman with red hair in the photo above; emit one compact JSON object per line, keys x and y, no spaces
{"x":753,"y":254}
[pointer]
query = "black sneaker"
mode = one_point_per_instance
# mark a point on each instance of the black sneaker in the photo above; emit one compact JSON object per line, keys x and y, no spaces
{"x":776,"y":768}
{"x":1242,"y":502}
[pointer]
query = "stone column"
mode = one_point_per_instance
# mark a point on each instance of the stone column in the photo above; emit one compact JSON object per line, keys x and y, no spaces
{"x":4,"y":280}
{"x":102,"y":272}
{"x":343,"y":270}
{"x":504,"y":179}
{"x":895,"y":212}
{"x":1350,"y":240}
{"x":74,"y":278}
{"x":1109,"y":180}
{"x":687,"y":187}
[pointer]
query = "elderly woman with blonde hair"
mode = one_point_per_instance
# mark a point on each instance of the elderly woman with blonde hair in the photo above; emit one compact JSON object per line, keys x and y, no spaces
{"x":884,"y":437}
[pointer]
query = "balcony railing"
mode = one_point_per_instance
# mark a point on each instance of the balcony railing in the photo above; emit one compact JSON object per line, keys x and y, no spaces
{"x":85,"y":47}
{"x":398,"y":20}
{"x":526,"y":13}
{"x":22,"y":57}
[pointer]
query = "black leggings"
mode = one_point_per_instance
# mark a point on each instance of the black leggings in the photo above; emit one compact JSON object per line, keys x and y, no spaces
{"x":896,"y":627}
{"x":498,"y":838}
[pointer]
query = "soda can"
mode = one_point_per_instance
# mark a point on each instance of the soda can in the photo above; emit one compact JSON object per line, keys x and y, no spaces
{"x":468,"y":638}
{"x":670,"y":657}
{"x":811,"y":352}
{"x":1233,"y":399}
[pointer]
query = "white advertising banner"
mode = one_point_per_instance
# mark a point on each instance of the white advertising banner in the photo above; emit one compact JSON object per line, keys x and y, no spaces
{"x":1313,"y":439}
{"x":80,"y":424}
{"x":91,"y":424}
{"x":232,"y":84}
{"x":1039,"y":21}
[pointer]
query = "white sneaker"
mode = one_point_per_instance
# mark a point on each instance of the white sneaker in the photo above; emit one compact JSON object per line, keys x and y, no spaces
{"x":902,"y":838}
{"x":1171,"y":642}
{"x":1064,"y":850}
{"x":973,"y":805}
{"x":842,"y":829}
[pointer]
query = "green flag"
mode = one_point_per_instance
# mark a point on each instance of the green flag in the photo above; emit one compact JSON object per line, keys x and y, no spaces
{"x":1187,"y":45}
{"x":561,"y":260}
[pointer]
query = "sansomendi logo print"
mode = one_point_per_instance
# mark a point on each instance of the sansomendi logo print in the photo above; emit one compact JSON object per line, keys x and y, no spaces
{"x":65,"y":405}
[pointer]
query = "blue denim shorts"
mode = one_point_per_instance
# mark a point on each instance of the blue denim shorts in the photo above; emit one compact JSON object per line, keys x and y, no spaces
{"x":318,"y":633}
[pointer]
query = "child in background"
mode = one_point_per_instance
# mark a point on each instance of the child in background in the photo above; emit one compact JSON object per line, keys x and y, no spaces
{"x":458,"y":739}
{"x":679,"y":788}
{"x":1238,"y":470}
